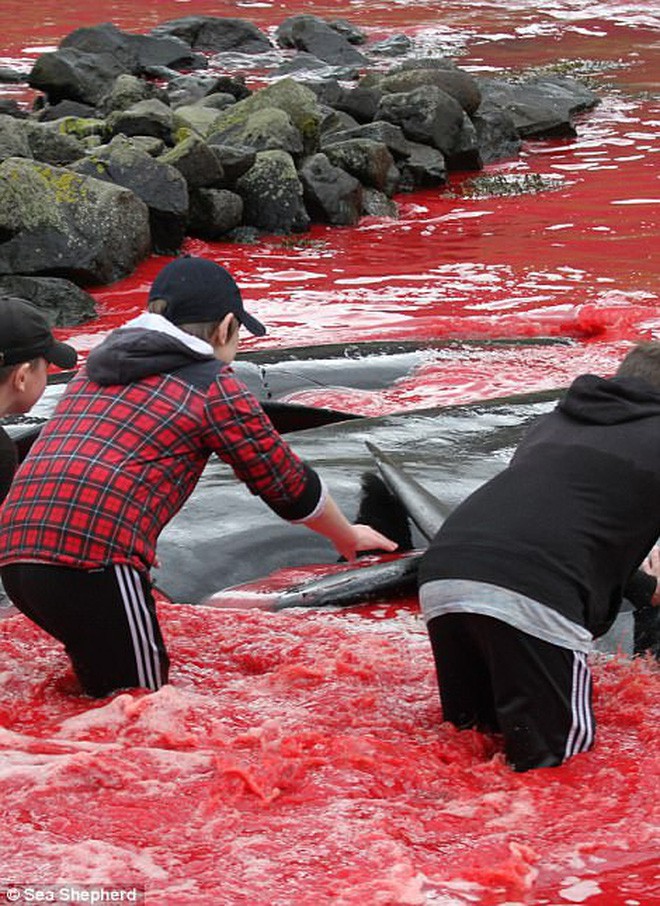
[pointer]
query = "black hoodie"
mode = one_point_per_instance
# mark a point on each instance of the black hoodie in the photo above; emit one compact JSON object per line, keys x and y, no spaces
{"x":575,"y":512}
{"x":134,"y":353}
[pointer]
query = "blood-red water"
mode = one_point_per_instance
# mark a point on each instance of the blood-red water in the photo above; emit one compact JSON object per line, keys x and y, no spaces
{"x":301,"y":758}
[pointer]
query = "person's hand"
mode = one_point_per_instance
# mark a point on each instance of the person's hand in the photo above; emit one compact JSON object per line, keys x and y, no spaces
{"x":651,"y":565}
{"x":365,"y":538}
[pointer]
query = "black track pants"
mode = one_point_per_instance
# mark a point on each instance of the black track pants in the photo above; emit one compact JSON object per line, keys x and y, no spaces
{"x":106,"y":620}
{"x":494,"y":677}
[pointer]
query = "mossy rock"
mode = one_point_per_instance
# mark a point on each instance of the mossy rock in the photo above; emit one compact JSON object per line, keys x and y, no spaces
{"x":298,"y":101}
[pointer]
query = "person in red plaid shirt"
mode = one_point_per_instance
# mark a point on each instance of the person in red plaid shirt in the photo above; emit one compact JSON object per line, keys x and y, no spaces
{"x":123,"y":451}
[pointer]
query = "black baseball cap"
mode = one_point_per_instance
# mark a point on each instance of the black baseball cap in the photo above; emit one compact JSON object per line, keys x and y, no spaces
{"x":25,"y":335}
{"x":198,"y":291}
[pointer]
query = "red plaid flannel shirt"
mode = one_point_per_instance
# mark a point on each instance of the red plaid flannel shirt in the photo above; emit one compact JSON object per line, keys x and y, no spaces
{"x":114,"y":464}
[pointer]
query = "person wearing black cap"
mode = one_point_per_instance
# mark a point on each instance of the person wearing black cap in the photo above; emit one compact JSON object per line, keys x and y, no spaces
{"x":123,"y":451}
{"x":27,"y":346}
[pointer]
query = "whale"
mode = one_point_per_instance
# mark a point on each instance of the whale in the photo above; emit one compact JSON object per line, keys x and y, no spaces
{"x":426,"y":511}
{"x":392,"y":577}
{"x":224,"y":537}
{"x":380,"y":581}
{"x":272,"y":376}
{"x":477,"y":441}
{"x":277,"y":376}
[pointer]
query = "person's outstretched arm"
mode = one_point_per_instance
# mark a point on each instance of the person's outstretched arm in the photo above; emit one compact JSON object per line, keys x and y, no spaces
{"x":347,"y":538}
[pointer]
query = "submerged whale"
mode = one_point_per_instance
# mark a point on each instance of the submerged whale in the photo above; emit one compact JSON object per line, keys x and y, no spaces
{"x":277,"y":376}
{"x":495,"y":434}
{"x":223,"y":537}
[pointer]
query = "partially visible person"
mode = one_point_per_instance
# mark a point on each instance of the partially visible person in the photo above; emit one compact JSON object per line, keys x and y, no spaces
{"x":534,"y":565}
{"x":644,"y":594}
{"x":27,"y":346}
{"x":123,"y":451}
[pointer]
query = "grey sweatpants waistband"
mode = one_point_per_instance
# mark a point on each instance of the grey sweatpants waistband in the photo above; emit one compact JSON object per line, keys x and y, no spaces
{"x":444,"y":596}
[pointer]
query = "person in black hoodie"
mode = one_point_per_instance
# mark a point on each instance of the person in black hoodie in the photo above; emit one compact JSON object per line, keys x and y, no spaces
{"x":122,"y":452}
{"x":534,"y":565}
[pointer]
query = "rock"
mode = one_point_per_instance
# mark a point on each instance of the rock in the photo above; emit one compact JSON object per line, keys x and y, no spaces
{"x":144,"y":118}
{"x":368,"y":161}
{"x":154,"y":52}
{"x":234,"y":85}
{"x":219,"y":100}
{"x":188,"y":89}
{"x":266,"y":129}
{"x":540,"y":107}
{"x":128,"y":90}
{"x":209,"y":156}
{"x":10,"y":107}
{"x":214,"y":213}
{"x":347,"y":30}
{"x":212,"y":34}
{"x":62,"y":302}
{"x":297,"y":101}
{"x":564,"y":93}
{"x":71,"y":74}
{"x":360,"y":103}
{"x":315,"y":36}
{"x":395,"y":46}
{"x":423,"y":167}
{"x":194,"y":118}
{"x":80,"y":127}
{"x":465,"y":153}
{"x":55,"y":222}
{"x":429,"y":62}
{"x":49,"y":144}
{"x":13,"y":138}
{"x":147,"y":143}
{"x":10,"y":76}
{"x":457,"y":83}
{"x":378,"y":131}
{"x":430,"y":116}
{"x":334,"y":121}
{"x":160,"y":186}
{"x":197,"y":162}
{"x":331,"y":194}
{"x":234,"y":159}
{"x":273,"y":194}
{"x":303,"y":63}
{"x":135,"y":53}
{"x":497,"y":135}
{"x":377,"y":204}
{"x":103,"y":39}
{"x":66,"y":108}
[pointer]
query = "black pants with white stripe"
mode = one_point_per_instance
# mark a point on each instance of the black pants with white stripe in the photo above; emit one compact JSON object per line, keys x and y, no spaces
{"x":496,"y":678}
{"x":106,"y":620}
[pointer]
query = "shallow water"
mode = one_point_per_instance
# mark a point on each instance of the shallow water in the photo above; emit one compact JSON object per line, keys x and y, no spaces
{"x":300,"y":759}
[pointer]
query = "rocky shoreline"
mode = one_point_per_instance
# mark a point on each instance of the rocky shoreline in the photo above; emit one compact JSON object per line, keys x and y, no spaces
{"x":137,"y":141}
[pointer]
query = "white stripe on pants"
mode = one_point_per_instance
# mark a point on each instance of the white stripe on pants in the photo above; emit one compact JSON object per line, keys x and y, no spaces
{"x":147,"y":658}
{"x":581,"y":734}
